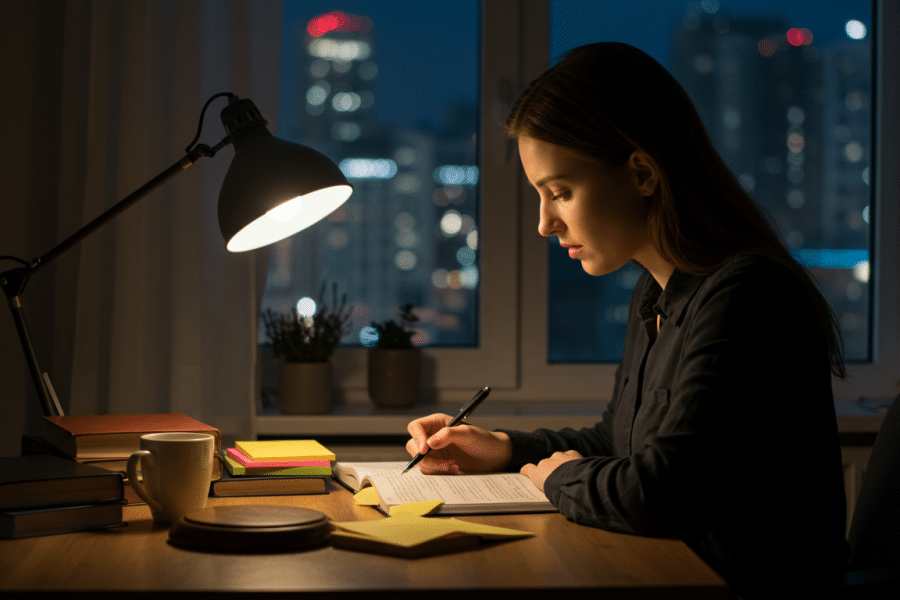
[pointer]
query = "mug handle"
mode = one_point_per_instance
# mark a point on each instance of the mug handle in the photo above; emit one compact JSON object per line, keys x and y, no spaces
{"x":136,"y":483}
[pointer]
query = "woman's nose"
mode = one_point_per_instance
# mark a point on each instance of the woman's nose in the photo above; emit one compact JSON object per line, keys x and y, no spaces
{"x":549,"y":223}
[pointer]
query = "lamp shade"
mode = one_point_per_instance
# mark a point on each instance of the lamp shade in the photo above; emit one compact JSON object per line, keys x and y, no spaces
{"x":273,"y":188}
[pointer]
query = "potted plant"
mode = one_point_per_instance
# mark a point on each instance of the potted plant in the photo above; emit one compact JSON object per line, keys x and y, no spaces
{"x":305,"y":346}
{"x":395,"y":364}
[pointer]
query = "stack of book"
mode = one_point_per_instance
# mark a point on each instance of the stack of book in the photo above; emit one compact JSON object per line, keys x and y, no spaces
{"x":274,"y":468}
{"x":44,"y":495}
{"x":106,"y":441}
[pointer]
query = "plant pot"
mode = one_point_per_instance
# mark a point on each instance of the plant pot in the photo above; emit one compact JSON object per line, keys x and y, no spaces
{"x":305,"y":388}
{"x":395,"y":376}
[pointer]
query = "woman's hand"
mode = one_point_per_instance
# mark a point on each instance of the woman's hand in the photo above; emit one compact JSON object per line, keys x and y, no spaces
{"x":459,"y":449}
{"x":538,"y":473}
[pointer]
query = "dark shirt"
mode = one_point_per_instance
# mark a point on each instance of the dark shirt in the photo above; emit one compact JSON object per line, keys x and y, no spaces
{"x":721,"y":432}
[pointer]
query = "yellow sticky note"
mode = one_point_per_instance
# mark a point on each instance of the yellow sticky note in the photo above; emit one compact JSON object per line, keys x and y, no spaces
{"x":285,"y":450}
{"x":367,"y":496}
{"x":408,"y":526}
{"x":419,"y":509}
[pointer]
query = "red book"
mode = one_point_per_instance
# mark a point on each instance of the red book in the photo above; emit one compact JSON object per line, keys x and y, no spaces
{"x":116,"y":436}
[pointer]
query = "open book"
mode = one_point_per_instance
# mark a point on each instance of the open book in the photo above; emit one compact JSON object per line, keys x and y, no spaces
{"x":462,"y":494}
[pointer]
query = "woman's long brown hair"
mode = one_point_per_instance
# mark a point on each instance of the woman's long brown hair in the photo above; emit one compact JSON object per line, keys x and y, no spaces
{"x":608,"y":99}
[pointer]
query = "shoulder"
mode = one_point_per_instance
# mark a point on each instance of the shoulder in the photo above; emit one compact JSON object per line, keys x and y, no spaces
{"x":760,"y":291}
{"x":757,"y":266}
{"x":772,"y":276}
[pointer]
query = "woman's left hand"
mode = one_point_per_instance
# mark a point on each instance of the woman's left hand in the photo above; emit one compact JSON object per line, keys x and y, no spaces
{"x":539,"y":473}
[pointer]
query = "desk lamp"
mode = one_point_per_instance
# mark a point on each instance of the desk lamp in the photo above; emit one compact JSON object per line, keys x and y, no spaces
{"x":273,"y":189}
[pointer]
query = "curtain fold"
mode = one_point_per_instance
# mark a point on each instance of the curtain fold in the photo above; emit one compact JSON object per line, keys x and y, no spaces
{"x":152,"y":313}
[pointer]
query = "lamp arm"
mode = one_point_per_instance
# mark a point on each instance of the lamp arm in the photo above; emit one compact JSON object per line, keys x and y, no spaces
{"x":40,"y":385}
{"x":14,"y":281}
{"x":189,"y":160}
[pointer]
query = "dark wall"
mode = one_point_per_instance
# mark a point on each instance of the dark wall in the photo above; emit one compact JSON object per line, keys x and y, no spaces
{"x":31,"y":59}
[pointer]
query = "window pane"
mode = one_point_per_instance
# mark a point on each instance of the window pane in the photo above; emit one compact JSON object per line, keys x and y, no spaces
{"x":389,"y":91}
{"x":785,"y":91}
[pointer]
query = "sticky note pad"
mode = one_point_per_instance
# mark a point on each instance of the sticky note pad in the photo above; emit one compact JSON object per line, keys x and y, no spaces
{"x":285,"y":450}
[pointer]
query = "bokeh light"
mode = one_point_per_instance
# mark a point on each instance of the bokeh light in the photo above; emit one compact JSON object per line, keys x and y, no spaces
{"x":856,"y":30}
{"x":451,"y":223}
{"x":406,"y":260}
{"x":368,"y":336}
{"x":337,"y":21}
{"x":861,"y":271}
{"x":799,"y":37}
{"x":306,"y":307}
{"x":853,"y":152}
{"x":766,"y":47}
{"x":465,"y":256}
{"x":368,"y":168}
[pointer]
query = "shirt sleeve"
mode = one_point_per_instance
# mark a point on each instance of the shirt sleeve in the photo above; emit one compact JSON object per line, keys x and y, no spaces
{"x":538,"y":445}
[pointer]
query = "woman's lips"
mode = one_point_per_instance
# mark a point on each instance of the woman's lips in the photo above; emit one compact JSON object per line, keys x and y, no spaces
{"x":573,"y":250}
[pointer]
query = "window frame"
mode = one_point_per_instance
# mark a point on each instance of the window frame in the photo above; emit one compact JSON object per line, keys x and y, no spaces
{"x":512,"y":355}
{"x":452,"y":373}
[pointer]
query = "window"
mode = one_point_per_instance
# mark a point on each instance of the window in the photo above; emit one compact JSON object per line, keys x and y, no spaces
{"x":819,"y":171}
{"x":358,"y":85}
{"x":785,"y":92}
{"x":390,"y":91}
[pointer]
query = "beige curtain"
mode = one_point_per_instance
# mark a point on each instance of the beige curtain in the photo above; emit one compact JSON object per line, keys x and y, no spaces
{"x":151,"y":313}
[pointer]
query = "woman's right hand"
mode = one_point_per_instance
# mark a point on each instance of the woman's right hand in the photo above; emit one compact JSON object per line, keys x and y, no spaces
{"x":457,"y":450}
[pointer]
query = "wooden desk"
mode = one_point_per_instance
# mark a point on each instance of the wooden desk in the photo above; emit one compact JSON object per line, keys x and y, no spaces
{"x":562,"y":557}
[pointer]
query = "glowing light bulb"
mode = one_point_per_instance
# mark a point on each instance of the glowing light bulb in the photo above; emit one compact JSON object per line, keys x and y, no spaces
{"x":286,"y":211}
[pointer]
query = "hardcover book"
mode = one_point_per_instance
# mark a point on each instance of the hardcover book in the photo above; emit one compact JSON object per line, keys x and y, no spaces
{"x":59,"y":519}
{"x":268,"y":485}
{"x":87,"y":437}
{"x":40,"y":481}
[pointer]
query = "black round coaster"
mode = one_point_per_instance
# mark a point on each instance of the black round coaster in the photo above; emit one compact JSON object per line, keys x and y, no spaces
{"x":255,"y":528}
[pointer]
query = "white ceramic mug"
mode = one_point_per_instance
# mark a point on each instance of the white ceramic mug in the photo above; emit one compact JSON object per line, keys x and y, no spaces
{"x":176,"y":470}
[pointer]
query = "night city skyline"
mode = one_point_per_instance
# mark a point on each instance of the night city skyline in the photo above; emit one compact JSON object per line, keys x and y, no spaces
{"x":415,"y":100}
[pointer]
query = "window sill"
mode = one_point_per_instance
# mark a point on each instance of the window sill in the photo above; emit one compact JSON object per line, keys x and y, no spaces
{"x":365,"y":419}
{"x":358,"y":419}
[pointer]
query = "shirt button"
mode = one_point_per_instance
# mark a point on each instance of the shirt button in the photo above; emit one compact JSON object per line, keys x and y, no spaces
{"x":658,"y":310}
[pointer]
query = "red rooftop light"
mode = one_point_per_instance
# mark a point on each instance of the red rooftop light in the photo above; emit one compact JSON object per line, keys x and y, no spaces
{"x":799,"y":37}
{"x":337,"y":21}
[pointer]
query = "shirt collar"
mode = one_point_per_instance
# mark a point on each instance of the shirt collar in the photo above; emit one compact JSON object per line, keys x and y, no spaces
{"x":671,"y":302}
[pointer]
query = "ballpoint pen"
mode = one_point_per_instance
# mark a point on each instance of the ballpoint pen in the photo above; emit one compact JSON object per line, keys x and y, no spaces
{"x":464,"y":412}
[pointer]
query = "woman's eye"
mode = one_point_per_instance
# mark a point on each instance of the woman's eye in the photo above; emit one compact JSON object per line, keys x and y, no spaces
{"x":559,"y":196}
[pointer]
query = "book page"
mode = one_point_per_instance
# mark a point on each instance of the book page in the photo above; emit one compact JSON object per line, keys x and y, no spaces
{"x":492,"y":488}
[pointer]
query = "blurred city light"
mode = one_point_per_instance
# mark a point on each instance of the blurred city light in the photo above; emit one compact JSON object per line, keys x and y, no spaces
{"x":799,"y":37}
{"x":456,"y":175}
{"x":306,"y":307}
{"x":451,"y":223}
{"x":766,"y":47}
{"x":368,"y":336}
{"x":337,"y":21}
{"x":339,"y":50}
{"x":368,"y":168}
{"x":855,"y":29}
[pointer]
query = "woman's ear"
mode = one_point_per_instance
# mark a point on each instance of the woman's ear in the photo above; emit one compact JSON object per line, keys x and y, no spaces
{"x":644,"y":172}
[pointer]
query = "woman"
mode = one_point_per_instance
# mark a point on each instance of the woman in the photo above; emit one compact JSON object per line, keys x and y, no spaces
{"x":721,"y":430}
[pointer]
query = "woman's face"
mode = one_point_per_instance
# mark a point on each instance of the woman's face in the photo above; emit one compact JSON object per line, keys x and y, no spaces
{"x":598,"y":211}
